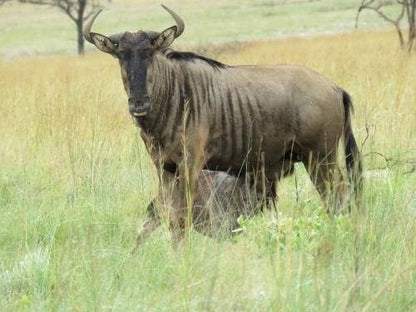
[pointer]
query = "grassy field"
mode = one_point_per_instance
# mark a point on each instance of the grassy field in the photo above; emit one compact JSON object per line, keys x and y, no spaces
{"x":75,"y":181}
{"x":39,"y":30}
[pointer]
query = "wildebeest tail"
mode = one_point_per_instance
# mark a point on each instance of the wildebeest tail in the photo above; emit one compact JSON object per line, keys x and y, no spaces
{"x":352,"y":154}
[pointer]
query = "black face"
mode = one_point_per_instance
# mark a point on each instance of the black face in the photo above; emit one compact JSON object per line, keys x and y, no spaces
{"x":134,"y":52}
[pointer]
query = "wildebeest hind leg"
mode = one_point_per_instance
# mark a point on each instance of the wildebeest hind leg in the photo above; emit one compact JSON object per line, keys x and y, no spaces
{"x":265,"y":190}
{"x":271,"y":194}
{"x":322,"y":171}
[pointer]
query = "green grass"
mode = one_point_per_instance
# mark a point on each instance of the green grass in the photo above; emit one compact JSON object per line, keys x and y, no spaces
{"x":75,"y":180}
{"x":38,"y":30}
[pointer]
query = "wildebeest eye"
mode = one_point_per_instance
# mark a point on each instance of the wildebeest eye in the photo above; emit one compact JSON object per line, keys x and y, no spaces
{"x":123,"y":54}
{"x":147,"y":51}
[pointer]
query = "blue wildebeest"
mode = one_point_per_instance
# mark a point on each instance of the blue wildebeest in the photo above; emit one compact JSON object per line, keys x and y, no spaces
{"x":221,"y":199}
{"x":196,"y":113}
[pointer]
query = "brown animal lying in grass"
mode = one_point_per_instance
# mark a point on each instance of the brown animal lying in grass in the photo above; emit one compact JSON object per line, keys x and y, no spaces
{"x":220,"y":200}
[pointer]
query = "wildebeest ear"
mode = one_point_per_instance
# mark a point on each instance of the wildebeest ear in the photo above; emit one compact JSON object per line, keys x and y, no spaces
{"x":103,"y":43}
{"x":165,"y":38}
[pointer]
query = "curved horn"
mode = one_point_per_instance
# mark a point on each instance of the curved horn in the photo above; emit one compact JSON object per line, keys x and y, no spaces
{"x":180,"y":25}
{"x":87,"y":29}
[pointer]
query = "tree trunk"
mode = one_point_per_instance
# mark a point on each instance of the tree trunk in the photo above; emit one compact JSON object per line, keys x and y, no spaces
{"x":412,"y":25}
{"x":412,"y":37}
{"x":80,"y":37}
{"x":80,"y":22}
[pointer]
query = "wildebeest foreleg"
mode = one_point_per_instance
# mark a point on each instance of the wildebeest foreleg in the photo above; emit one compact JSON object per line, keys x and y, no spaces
{"x":181,"y":214}
{"x":151,"y":224}
{"x":184,"y":194}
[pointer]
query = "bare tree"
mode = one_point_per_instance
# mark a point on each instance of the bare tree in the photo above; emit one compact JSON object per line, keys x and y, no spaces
{"x":77,"y":10}
{"x":407,"y":12}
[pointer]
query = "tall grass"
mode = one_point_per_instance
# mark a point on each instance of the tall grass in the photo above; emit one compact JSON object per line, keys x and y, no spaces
{"x":76,"y":179}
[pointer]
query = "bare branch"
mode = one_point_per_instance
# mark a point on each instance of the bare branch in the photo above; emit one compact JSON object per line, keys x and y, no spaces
{"x":377,"y":7}
{"x":408,"y":10}
{"x":38,"y":2}
{"x":66,"y":6}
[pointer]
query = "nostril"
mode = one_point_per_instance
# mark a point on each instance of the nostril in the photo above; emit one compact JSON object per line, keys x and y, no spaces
{"x":138,"y":101}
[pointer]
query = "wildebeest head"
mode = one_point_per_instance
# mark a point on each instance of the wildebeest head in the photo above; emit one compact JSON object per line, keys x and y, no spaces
{"x":134,"y":52}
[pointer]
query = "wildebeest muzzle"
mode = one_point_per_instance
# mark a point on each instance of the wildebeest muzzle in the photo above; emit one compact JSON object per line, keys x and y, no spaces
{"x":139,"y":107}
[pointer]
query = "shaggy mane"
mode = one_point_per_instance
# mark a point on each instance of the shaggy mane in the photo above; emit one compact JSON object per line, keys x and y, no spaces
{"x":190,"y":57}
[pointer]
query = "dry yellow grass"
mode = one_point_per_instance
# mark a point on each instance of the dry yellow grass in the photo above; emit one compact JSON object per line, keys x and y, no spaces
{"x":50,"y":100}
